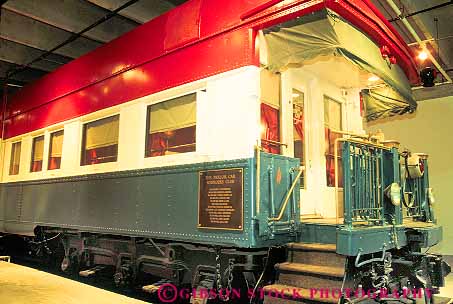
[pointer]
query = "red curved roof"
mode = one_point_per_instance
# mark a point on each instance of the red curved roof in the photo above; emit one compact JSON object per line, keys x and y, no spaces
{"x":195,"y":40}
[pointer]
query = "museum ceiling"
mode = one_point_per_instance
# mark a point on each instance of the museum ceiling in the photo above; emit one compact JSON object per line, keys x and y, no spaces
{"x":36,"y":37}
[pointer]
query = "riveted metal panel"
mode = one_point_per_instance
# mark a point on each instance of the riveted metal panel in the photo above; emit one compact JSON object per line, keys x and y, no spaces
{"x":161,"y":203}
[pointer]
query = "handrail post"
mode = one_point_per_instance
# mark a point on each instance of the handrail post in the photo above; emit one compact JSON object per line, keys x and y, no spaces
{"x":347,"y":201}
{"x":271,"y":191}
{"x":293,"y":199}
{"x":397,"y":179}
{"x":381,"y":185}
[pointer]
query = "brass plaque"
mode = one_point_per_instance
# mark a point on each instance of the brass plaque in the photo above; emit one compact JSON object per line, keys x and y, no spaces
{"x":220,"y":199}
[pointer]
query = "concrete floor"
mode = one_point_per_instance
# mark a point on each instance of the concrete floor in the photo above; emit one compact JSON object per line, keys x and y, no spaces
{"x":20,"y":284}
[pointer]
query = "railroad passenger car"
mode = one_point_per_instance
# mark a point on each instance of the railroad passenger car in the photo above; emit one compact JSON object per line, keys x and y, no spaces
{"x":188,"y":147}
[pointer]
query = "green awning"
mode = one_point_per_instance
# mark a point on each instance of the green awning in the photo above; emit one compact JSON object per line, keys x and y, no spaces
{"x":383,"y":102}
{"x":302,"y":40}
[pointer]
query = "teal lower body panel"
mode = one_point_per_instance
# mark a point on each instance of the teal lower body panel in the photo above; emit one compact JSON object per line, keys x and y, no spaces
{"x":159,"y":203}
{"x":367,"y":240}
{"x":162,"y":203}
{"x":370,"y":239}
{"x":315,"y":233}
{"x":426,"y":236}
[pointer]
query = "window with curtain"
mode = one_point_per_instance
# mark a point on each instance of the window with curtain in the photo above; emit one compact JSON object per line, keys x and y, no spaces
{"x":172,"y":126}
{"x":55,"y":150}
{"x":100,"y":141}
{"x":299,"y":130}
{"x":270,"y":111}
{"x":332,"y":123}
{"x":37,"y":154}
{"x":14,"y":163}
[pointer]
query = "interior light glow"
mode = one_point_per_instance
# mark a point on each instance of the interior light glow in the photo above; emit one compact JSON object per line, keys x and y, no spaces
{"x":373,"y":78}
{"x":423,"y":55}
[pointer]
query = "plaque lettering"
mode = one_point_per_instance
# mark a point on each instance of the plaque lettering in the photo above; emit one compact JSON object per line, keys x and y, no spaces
{"x":220,"y":199}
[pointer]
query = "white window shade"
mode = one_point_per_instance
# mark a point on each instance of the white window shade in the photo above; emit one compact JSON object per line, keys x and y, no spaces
{"x":270,"y":88}
{"x":38,"y":148}
{"x":173,"y":114}
{"x":56,"y":144}
{"x":102,"y":133}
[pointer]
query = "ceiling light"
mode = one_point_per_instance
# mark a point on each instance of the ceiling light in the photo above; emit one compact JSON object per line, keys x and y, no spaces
{"x":373,"y":78}
{"x":423,"y":55}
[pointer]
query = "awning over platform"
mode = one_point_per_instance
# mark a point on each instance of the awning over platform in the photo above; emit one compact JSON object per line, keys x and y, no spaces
{"x":309,"y":38}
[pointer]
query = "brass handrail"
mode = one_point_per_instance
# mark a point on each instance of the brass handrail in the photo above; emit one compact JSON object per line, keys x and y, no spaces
{"x":288,"y":195}
{"x":258,"y":177}
{"x":273,"y":142}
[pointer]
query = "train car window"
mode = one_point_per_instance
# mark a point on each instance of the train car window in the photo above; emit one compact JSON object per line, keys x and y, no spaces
{"x":15,"y":158}
{"x":55,"y":150}
{"x":172,"y":126}
{"x":299,"y":130}
{"x":100,"y":141}
{"x":37,"y":154}
{"x":332,"y":124}
{"x":270,"y":111}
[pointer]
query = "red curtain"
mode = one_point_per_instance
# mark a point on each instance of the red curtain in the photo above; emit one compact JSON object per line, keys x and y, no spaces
{"x":92,"y":157}
{"x":101,"y":155}
{"x":157,"y":144}
{"x":36,"y":166}
{"x":299,"y":126}
{"x":330,"y":138}
{"x":270,"y":129}
{"x":54,"y":163}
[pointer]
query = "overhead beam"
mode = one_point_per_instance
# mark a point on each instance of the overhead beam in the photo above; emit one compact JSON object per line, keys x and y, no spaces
{"x":73,"y":16}
{"x":26,"y":76}
{"x":421,"y":11}
{"x":14,"y":52}
{"x":11,"y":83}
{"x":142,"y":11}
{"x":438,"y":91}
{"x":26,"y":31}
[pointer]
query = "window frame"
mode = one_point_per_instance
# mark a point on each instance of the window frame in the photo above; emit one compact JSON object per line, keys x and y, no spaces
{"x":278,"y":107}
{"x":19,"y":142}
{"x":326,"y":155}
{"x":148,"y":121}
{"x":49,"y":156}
{"x":33,"y":141}
{"x":303,"y":185}
{"x":83,"y":139}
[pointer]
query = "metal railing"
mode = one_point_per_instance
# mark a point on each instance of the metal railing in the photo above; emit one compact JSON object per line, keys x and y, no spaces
{"x":368,"y":170}
{"x":363,"y":170}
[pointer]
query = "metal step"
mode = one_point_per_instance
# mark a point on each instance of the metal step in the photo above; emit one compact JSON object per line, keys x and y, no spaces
{"x":317,"y":258}
{"x":309,"y":281}
{"x":309,"y":276}
{"x":313,"y":247}
{"x":310,"y":267}
{"x":320,"y":270}
{"x":273,"y":295}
